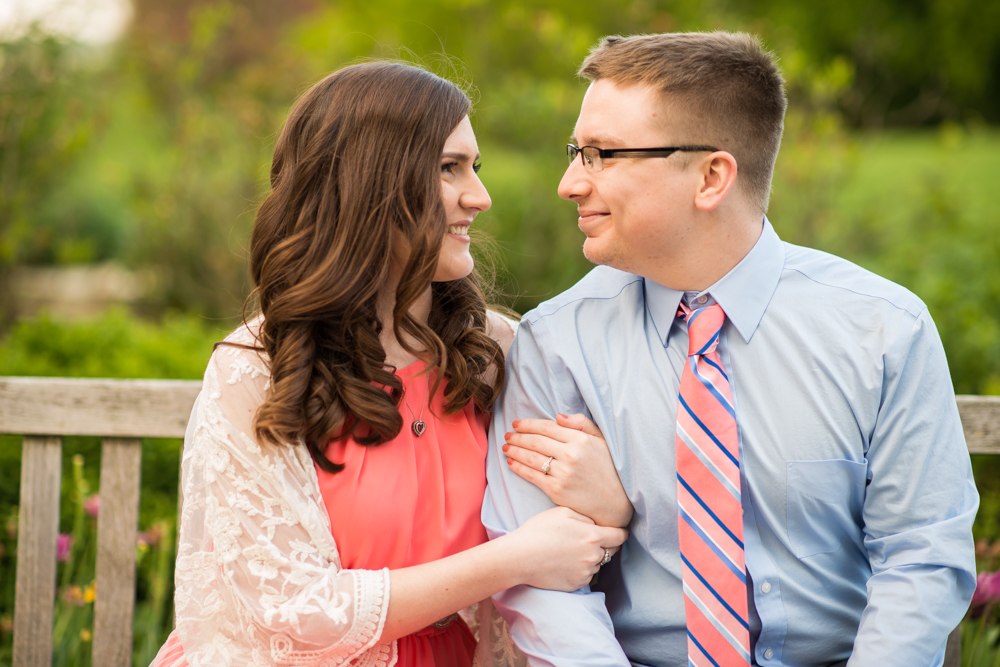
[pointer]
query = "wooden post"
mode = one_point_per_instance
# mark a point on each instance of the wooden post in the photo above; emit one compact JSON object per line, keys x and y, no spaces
{"x":116,"y":535}
{"x":37,"y":534}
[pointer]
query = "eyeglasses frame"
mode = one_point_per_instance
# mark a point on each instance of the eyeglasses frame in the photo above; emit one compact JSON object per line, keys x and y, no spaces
{"x":605,"y":153}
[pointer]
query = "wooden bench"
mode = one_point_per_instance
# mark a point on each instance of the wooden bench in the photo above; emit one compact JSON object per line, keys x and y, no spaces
{"x":122,"y":412}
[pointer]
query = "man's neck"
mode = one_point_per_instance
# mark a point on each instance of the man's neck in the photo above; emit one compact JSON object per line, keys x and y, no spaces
{"x":708,"y":259}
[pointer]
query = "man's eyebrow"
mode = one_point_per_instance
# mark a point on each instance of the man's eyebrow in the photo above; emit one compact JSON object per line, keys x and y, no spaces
{"x":603,"y":140}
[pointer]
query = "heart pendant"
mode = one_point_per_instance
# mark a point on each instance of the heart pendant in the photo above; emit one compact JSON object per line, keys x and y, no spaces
{"x":419,"y":427}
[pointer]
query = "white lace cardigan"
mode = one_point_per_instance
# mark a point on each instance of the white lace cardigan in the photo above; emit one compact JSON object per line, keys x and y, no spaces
{"x":258,"y":579}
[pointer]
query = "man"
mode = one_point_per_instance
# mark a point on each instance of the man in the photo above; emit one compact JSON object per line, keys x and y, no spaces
{"x":782,"y":421}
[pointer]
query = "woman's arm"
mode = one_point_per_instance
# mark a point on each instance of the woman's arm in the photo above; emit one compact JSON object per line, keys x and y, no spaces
{"x":258,"y":564}
{"x":569,"y":460}
{"x":582,"y":474}
{"x":557,"y":549}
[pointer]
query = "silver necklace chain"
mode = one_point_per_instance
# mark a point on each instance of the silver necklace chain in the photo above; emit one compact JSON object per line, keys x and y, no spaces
{"x":418,"y":426}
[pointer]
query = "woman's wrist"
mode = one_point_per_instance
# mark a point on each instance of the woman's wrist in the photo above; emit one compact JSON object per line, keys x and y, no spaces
{"x":507,"y":559}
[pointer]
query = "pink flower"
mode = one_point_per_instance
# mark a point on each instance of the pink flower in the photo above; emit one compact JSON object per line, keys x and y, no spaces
{"x":63,"y":547}
{"x":987,"y":589}
{"x":92,"y":505}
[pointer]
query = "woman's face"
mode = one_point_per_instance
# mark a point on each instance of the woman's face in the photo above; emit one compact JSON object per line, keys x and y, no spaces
{"x":464,"y":196}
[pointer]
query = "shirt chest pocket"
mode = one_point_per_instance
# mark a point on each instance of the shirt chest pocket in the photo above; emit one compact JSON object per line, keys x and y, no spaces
{"x":823,"y":504}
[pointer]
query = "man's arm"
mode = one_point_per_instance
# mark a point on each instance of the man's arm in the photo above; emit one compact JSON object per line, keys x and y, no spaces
{"x":552,"y":628}
{"x":918,"y":511}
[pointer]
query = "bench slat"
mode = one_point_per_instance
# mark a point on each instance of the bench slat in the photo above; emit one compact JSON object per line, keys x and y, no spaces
{"x":37,"y":533}
{"x":116,"y":535}
{"x":981,"y":423}
{"x":109,"y":408}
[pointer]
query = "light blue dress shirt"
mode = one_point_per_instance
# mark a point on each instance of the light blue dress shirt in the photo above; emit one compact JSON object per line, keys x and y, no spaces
{"x":858,"y":495}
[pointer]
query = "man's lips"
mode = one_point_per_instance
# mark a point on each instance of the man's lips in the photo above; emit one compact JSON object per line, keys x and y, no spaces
{"x":588,"y":218}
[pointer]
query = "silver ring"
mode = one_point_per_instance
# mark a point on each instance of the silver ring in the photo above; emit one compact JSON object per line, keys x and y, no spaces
{"x":607,"y":558}
{"x":547,"y":465}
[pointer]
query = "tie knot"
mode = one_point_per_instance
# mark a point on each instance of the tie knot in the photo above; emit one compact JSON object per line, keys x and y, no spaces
{"x":704,"y":327}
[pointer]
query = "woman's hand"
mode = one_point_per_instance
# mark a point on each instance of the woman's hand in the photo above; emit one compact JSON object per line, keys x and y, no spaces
{"x":569,"y":460}
{"x":560,"y":549}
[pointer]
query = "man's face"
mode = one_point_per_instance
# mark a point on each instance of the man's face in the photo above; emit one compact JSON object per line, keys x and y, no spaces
{"x":637,"y":212}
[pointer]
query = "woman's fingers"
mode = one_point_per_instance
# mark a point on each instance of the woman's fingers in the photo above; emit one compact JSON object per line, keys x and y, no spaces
{"x":529,"y":458}
{"x":546,"y":427}
{"x":579,"y":422}
{"x":545,"y":446}
{"x":529,"y":474}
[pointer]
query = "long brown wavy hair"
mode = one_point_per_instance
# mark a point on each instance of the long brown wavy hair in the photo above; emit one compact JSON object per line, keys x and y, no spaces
{"x":356,"y":170}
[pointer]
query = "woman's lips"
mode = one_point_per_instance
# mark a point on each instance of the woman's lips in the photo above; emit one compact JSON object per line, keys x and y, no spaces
{"x":460,"y":229}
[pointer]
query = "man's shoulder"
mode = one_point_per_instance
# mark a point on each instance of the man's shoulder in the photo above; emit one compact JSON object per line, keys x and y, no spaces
{"x":850,"y":281}
{"x":602,"y":287}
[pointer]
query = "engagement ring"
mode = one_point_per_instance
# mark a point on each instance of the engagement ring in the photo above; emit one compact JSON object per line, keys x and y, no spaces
{"x":547,"y":465}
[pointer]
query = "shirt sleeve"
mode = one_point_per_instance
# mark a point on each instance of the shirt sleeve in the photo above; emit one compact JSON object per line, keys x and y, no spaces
{"x":552,"y":628}
{"x":918,"y":510}
{"x":258,"y":576}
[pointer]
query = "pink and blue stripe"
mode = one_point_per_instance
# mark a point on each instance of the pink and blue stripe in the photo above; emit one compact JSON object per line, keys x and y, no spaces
{"x":709,"y":504}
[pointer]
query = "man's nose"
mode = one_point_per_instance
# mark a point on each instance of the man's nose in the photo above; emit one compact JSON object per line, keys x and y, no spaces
{"x":575,"y":182}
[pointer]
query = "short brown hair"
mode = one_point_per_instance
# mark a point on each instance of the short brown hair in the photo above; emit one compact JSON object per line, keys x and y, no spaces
{"x":729,"y":83}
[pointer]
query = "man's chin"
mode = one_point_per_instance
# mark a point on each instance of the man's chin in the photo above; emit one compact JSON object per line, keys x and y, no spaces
{"x":600,"y":253}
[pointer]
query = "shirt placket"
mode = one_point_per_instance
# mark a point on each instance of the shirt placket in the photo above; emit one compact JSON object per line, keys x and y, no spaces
{"x":762,"y":571}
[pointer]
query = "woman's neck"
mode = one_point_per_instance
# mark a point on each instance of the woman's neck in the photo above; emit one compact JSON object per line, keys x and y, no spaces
{"x":395,"y":354}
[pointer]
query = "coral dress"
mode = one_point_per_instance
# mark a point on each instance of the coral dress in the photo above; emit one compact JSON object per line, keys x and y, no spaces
{"x":410,"y":501}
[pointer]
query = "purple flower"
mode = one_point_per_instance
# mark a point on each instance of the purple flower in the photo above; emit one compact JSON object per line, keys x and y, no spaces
{"x":987,"y":589}
{"x":63,"y":547}
{"x":92,"y":505}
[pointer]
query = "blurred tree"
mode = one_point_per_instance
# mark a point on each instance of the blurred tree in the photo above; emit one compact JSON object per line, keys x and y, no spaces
{"x":45,"y":122}
{"x":916,"y":61}
{"x":207,"y":79}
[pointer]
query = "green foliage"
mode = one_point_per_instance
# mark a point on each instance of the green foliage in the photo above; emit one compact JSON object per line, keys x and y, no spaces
{"x":115,"y":345}
{"x":914,"y":62}
{"x":44,"y":125}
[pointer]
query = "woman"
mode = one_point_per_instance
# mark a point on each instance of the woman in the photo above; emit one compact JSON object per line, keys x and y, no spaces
{"x":333,"y":469}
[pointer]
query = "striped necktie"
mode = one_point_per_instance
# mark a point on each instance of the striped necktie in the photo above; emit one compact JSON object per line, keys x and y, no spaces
{"x":708,"y":501}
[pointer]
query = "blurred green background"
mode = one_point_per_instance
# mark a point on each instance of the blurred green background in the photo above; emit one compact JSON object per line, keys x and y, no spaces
{"x":149,"y":153}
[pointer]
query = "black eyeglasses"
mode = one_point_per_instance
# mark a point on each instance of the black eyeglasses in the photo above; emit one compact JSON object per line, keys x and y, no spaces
{"x":593,"y":157}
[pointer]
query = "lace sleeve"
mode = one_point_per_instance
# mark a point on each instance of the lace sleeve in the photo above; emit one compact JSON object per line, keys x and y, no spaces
{"x":258,"y":577}
{"x":496,"y":648}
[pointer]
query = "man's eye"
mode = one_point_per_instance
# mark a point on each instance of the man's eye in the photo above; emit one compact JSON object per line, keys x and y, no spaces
{"x":476,"y":167}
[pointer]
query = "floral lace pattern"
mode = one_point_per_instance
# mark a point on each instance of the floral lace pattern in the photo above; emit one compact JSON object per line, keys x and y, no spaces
{"x":258,"y":579}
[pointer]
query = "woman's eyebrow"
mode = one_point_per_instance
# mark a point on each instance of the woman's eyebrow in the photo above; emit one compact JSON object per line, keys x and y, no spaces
{"x":461,"y":157}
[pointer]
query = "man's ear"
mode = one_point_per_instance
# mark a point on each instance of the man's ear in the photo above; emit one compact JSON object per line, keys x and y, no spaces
{"x":718,"y":175}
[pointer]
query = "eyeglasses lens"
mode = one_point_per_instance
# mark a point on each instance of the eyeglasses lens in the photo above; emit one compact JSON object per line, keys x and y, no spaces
{"x":590,"y":157}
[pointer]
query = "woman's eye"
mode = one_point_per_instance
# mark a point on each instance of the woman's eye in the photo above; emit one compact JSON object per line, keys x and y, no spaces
{"x":476,"y":167}
{"x":447,"y":167}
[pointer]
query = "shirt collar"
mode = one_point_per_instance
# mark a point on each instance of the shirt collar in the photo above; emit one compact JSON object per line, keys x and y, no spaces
{"x":743,"y":293}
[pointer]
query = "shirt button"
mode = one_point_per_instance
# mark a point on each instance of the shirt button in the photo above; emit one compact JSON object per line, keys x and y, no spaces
{"x":702,"y":299}
{"x":765,"y":587}
{"x":768,"y":654}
